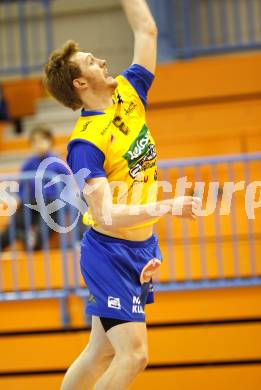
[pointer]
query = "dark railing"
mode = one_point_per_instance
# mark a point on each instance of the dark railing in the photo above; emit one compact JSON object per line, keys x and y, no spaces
{"x":189,"y":28}
{"x":25,"y":36}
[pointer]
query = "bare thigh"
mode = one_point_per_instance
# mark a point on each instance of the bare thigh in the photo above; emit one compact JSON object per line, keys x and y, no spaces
{"x":99,"y":344}
{"x":129,"y":337}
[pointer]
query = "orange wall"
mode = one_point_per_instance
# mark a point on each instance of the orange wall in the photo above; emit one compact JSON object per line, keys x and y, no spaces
{"x":207,"y":78}
{"x":21,"y":96}
{"x":204,"y":327}
{"x":207,"y":106}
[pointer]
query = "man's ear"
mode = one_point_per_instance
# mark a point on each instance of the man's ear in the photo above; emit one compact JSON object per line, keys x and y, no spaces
{"x":80,"y":83}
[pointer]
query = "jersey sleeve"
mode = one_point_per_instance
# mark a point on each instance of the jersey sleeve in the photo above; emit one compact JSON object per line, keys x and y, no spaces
{"x":141,"y":80}
{"x":85,"y":155}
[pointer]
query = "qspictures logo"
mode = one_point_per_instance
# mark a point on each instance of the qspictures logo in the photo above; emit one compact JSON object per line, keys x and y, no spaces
{"x":66,"y":192}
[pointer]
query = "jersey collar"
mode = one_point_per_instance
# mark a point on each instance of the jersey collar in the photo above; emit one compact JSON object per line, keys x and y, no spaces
{"x":93,"y":112}
{"x":90,"y":113}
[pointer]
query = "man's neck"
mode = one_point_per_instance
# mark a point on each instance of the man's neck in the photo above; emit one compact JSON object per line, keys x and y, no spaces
{"x":97,"y":103}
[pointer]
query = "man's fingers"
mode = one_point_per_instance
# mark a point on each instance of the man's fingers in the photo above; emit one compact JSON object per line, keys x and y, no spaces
{"x":188,"y":207}
{"x":192,"y":200}
{"x":197,"y":200}
{"x":196,"y":206}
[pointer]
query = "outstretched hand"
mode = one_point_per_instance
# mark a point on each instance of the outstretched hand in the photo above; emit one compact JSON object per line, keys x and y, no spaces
{"x":186,"y":207}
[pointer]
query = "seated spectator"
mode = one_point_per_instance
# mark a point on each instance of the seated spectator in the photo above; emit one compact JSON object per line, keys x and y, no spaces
{"x":4,"y":113}
{"x":41,"y":139}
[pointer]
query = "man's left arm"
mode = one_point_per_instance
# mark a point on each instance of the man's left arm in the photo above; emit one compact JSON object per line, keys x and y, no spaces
{"x":145,"y":33}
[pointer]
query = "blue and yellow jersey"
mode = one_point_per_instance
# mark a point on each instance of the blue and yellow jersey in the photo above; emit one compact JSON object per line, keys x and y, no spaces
{"x":117,"y":143}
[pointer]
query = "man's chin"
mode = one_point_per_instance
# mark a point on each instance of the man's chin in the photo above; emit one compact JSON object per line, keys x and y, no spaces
{"x":112,"y":81}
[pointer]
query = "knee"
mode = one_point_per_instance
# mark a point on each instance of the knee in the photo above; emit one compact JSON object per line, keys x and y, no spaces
{"x":140,"y":357}
{"x":135,"y":360}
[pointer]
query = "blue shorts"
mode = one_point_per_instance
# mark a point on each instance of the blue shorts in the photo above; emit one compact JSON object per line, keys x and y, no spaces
{"x":118,"y":275}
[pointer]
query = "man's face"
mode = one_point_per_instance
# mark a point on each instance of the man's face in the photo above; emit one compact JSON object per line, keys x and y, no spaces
{"x":94,"y":72}
{"x":41,"y":145}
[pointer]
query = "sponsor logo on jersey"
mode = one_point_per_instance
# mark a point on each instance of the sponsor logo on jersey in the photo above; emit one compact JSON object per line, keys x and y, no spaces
{"x":130,"y":109}
{"x":91,"y":299}
{"x":119,"y":123}
{"x":114,"y":303}
{"x":84,"y":127}
{"x":120,"y":99}
{"x":139,"y":178}
{"x":136,"y":305}
{"x":138,"y":147}
{"x":146,"y":162}
{"x":141,"y":154}
{"x":106,"y":128}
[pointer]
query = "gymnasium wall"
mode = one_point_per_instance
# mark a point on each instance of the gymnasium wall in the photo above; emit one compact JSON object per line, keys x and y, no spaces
{"x":198,"y":339}
{"x":98,"y":26}
{"x":207,"y":106}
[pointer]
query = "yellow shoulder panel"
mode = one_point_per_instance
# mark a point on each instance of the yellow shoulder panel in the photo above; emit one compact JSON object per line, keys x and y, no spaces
{"x":94,"y":130}
{"x":127,"y":91}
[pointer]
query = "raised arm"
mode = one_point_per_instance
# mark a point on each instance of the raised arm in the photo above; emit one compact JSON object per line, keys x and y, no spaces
{"x":145,"y":33}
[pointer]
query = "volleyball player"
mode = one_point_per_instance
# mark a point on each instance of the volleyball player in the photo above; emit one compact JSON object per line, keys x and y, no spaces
{"x":120,"y":253}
